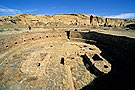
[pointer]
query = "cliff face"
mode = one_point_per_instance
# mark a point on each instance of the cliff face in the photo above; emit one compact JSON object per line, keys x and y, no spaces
{"x":61,"y":20}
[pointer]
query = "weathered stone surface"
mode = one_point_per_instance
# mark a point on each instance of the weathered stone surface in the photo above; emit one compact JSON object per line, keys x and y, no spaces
{"x":61,"y":20}
{"x":45,"y":59}
{"x":37,"y":65}
{"x":99,"y":63}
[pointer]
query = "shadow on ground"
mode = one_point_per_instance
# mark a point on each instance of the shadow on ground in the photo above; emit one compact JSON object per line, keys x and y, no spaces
{"x":119,"y":51}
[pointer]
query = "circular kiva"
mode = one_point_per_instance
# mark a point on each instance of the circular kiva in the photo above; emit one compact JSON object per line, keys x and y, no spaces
{"x":48,"y":60}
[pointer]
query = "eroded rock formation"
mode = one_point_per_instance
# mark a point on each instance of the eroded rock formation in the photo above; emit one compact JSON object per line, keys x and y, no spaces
{"x":61,"y":20}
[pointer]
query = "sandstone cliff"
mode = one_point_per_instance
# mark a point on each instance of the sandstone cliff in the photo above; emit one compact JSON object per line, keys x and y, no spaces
{"x":61,"y":20}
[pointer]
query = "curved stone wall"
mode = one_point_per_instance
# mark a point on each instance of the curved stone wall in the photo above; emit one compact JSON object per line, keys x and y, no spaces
{"x":117,"y":50}
{"x":8,"y":41}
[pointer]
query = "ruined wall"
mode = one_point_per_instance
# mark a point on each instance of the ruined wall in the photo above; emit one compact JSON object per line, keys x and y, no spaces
{"x":9,"y":41}
{"x":121,"y":42}
{"x":119,"y":51}
{"x":127,"y":44}
{"x":124,"y":43}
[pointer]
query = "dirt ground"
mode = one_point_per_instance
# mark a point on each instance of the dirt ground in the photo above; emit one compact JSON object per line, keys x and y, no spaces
{"x":38,"y":65}
{"x":117,"y":32}
{"x":49,"y":64}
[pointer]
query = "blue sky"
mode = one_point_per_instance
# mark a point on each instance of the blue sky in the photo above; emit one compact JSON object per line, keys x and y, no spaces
{"x":104,"y":8}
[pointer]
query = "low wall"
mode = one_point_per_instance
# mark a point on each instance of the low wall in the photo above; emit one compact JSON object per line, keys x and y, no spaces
{"x":8,"y":41}
{"x":119,"y":51}
{"x":121,"y":42}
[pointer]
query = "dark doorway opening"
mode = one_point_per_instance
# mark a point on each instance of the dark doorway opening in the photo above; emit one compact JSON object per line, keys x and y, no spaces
{"x":131,"y":26}
{"x":68,"y":34}
{"x":96,"y":58}
{"x":62,"y":61}
{"x":32,"y":38}
{"x":6,"y":46}
{"x":29,"y":27}
{"x":15,"y":42}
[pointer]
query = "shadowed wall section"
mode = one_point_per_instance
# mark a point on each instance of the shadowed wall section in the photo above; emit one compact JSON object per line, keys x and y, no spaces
{"x":119,"y":51}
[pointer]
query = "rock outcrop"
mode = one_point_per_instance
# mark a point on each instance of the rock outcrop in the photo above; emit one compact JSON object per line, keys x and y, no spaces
{"x":61,"y":20}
